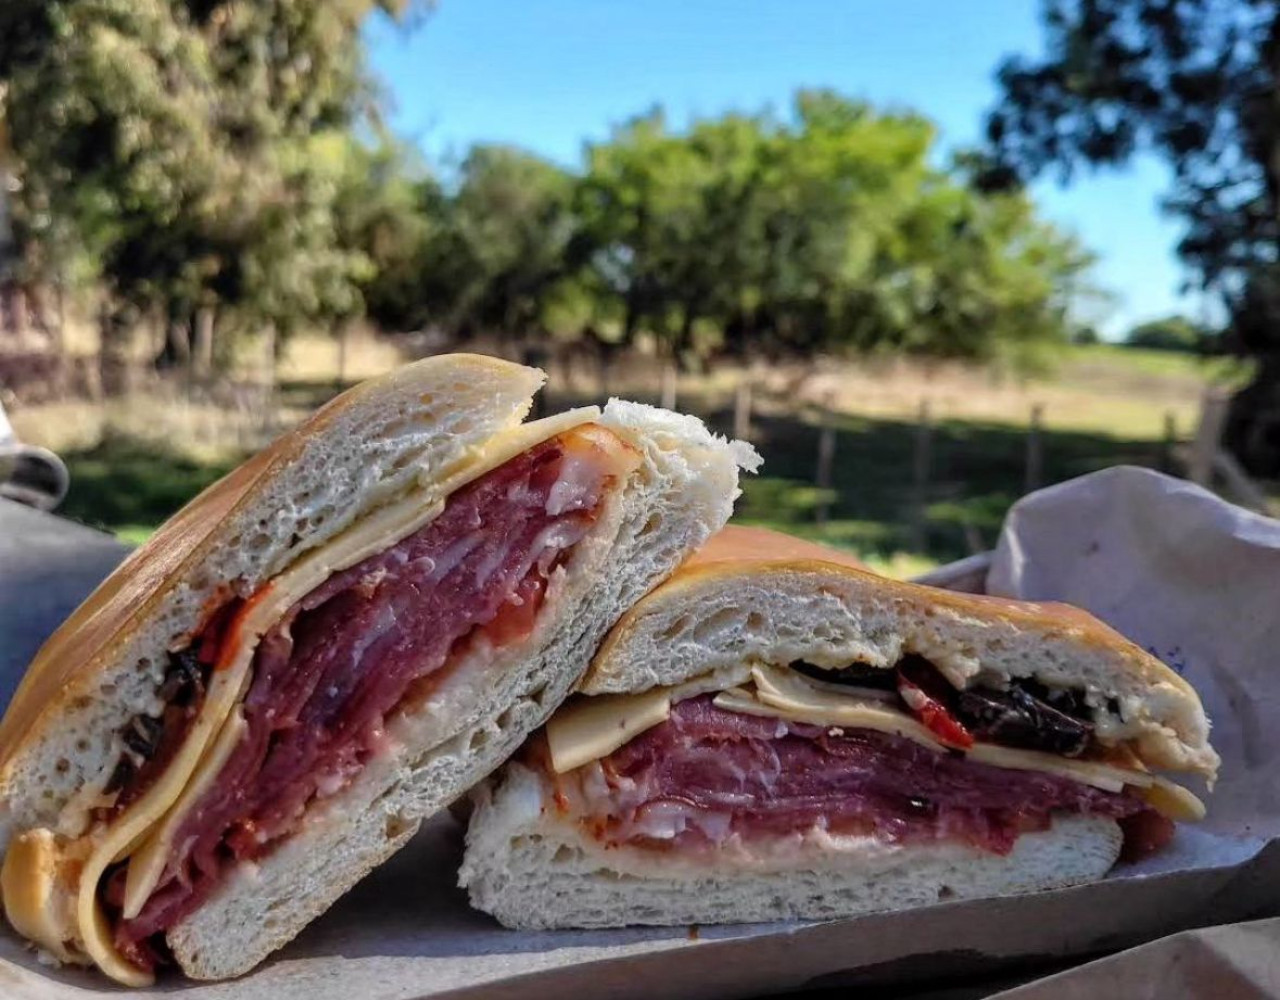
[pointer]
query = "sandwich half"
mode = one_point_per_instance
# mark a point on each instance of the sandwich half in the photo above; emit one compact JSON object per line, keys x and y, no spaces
{"x":333,"y":642}
{"x":778,"y":733}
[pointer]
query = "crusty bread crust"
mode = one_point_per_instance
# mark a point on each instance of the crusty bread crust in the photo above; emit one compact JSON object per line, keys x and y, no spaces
{"x":113,"y":645}
{"x":407,"y":439}
{"x":768,"y":573}
{"x":681,"y":493}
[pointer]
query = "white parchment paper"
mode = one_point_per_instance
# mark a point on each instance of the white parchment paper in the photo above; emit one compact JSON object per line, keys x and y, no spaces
{"x":1180,"y":572}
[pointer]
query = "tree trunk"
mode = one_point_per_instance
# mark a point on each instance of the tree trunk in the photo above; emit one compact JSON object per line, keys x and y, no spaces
{"x":682,"y":349}
{"x":175,"y":352}
{"x":19,"y":306}
{"x":202,"y":345}
{"x":60,"y":306}
{"x":267,"y":395}
{"x":631,"y":323}
{"x":113,"y":328}
{"x":1252,"y":430}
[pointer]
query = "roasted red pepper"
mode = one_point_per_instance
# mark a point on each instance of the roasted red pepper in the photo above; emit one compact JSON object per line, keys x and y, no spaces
{"x":926,"y":693}
{"x":212,"y":632}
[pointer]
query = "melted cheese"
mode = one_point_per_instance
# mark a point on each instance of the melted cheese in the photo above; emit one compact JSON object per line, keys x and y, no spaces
{"x":1173,"y":801}
{"x":595,"y":727}
{"x":147,"y":864}
{"x":373,"y":534}
{"x":35,"y":901}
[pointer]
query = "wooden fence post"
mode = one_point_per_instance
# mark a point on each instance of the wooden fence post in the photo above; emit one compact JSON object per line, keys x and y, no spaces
{"x":344,"y":336}
{"x":742,"y":409}
{"x":922,"y":462}
{"x":1035,"y":450}
{"x":670,"y":386}
{"x":1213,"y":414}
{"x":1169,"y":441}
{"x":267,"y":398}
{"x":826,"y":458}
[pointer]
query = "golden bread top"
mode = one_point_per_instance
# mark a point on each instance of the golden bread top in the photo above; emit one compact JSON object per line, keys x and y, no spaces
{"x":125,"y":601}
{"x":738,"y":554}
{"x":741,"y":551}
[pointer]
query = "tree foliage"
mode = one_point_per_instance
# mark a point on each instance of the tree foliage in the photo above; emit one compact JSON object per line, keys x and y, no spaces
{"x":177,"y":140}
{"x":1196,"y":82}
{"x":1172,"y":333}
{"x":209,"y":156}
{"x":827,"y":229}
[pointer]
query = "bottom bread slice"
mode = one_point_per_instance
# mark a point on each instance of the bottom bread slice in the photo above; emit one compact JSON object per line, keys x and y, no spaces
{"x":532,"y":870}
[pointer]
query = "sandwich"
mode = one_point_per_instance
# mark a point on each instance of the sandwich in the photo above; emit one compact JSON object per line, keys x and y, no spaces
{"x":777,"y":733}
{"x":333,"y":642}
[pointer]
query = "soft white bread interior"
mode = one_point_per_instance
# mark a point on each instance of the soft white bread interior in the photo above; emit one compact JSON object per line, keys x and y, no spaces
{"x":58,"y":740}
{"x":395,"y":444}
{"x":533,"y":871}
{"x":753,"y":595}
{"x":681,"y":493}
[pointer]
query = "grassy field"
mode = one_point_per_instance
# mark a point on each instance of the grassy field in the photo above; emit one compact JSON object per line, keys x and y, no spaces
{"x":136,"y":461}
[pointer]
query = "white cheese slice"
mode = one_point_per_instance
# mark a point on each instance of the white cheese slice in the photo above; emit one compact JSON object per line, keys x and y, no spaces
{"x":372,"y":534}
{"x":1104,"y":776}
{"x":595,"y":727}
{"x":789,"y":694}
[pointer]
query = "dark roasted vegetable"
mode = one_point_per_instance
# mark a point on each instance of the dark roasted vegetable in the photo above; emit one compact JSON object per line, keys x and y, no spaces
{"x":142,"y":735}
{"x":151,"y":740}
{"x":1018,"y":718}
{"x":184,"y":678}
{"x":856,"y":674}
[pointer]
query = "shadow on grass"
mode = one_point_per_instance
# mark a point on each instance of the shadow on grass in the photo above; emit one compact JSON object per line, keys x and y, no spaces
{"x":976,"y":472}
{"x":128,"y":486}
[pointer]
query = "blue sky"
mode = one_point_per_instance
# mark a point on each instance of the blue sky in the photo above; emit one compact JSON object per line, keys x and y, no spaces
{"x":549,"y":74}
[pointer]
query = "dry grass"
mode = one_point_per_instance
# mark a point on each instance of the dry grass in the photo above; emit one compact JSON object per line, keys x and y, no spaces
{"x":314,"y":358}
{"x":209,"y":430}
{"x":1101,"y":389}
{"x":135,"y":460}
{"x":1089,"y":394}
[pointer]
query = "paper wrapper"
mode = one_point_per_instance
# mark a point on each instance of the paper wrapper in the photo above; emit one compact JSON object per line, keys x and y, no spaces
{"x":1191,"y":578}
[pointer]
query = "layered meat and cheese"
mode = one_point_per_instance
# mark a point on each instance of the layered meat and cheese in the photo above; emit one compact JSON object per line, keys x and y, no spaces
{"x":777,"y":732}
{"x":379,"y":608}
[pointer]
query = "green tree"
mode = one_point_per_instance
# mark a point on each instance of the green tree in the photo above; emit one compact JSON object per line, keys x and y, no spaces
{"x":1172,"y":333}
{"x":176,"y":140}
{"x":828,"y":229}
{"x":391,"y":209}
{"x":1197,"y":83}
{"x":509,"y":226}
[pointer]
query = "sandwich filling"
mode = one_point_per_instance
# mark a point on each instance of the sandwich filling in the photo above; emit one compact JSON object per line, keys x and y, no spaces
{"x":784,"y":759}
{"x":326,"y":684}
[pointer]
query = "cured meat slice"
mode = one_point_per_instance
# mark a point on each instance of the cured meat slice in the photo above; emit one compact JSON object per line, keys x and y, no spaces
{"x":342,"y":661}
{"x":708,"y":775}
